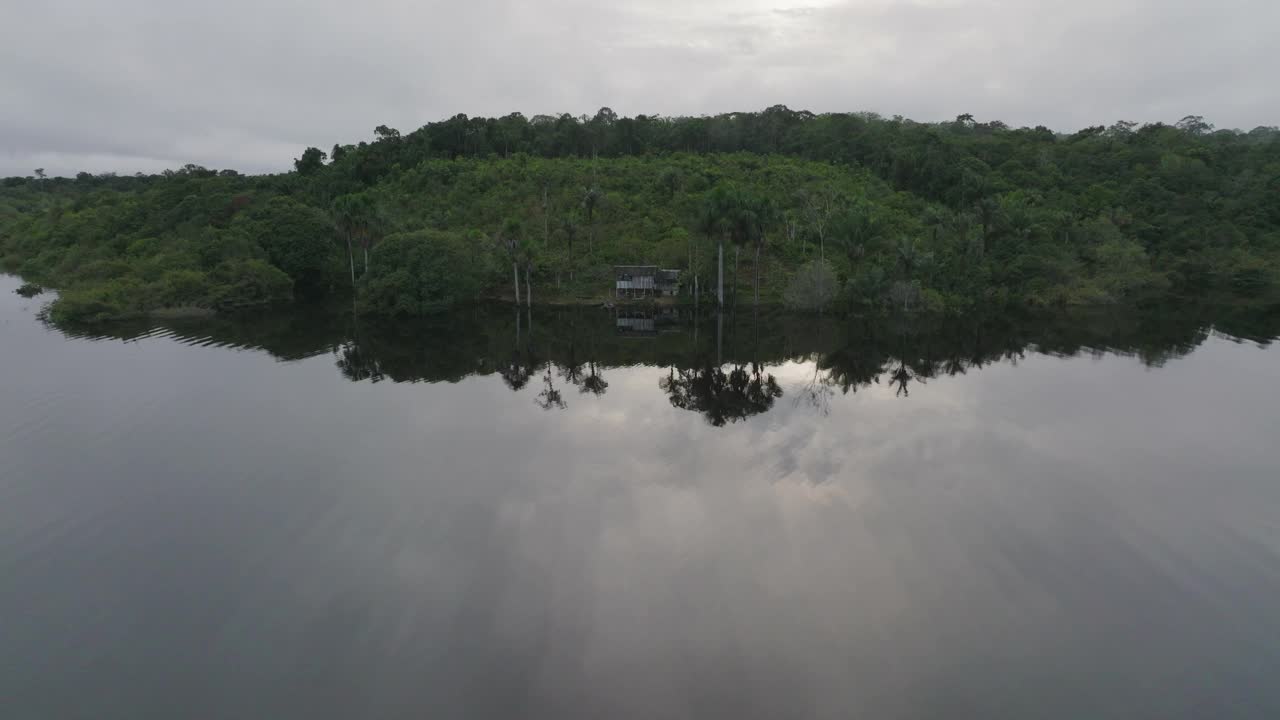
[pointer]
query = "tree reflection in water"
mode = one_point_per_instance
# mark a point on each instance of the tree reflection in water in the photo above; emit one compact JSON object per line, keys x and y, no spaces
{"x":722,"y":397}
{"x":711,"y":373}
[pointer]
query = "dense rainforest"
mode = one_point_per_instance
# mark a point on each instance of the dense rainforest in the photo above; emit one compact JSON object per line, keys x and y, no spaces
{"x":854,"y":211}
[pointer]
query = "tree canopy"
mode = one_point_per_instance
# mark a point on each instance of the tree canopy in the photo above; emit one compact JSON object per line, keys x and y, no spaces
{"x":901,"y":214}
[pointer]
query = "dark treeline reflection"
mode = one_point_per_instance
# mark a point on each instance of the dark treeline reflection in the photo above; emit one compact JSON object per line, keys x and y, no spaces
{"x":716,"y":365}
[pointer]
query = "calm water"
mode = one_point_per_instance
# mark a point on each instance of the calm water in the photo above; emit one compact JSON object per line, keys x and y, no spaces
{"x":292,"y":515}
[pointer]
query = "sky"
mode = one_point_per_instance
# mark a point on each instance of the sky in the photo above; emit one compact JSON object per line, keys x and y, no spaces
{"x":142,"y":85}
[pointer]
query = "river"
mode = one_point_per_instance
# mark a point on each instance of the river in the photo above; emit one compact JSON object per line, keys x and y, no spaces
{"x":565,"y":513}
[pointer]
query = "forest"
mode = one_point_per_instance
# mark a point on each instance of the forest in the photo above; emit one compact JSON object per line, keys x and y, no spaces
{"x":852,"y":212}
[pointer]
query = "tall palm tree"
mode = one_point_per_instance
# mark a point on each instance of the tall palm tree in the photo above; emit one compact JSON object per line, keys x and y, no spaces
{"x":345,"y":219}
{"x":744,"y":221}
{"x":765,"y":216}
{"x":709,"y":223}
{"x":356,"y":218}
{"x":911,"y":255}
{"x":716,"y":218}
{"x":508,"y":238}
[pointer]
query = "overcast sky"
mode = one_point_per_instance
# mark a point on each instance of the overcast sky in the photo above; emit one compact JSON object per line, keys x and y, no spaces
{"x":128,"y":85}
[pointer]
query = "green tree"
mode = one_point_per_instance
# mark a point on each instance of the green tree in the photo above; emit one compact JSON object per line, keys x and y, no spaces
{"x":510,"y":239}
{"x":420,"y":273}
{"x":297,"y":238}
{"x":717,"y":218}
{"x":311,"y":162}
{"x":355,"y":218}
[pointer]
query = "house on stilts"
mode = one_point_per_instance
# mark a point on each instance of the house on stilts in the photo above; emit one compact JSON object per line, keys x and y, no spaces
{"x":640,"y":281}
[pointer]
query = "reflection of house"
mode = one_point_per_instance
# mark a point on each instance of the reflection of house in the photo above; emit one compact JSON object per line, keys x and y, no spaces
{"x":644,"y":281}
{"x":645,"y":322}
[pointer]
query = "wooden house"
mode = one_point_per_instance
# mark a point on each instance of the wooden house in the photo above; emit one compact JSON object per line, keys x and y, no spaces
{"x":634,"y":281}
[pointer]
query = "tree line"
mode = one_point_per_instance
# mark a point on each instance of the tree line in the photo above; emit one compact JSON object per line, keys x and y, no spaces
{"x":853,"y":210}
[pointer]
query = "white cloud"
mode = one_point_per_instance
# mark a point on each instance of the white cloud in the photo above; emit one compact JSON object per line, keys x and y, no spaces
{"x":141,"y":84}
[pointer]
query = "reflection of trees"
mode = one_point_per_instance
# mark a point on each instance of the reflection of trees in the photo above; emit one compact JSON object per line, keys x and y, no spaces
{"x":724,"y":377}
{"x":521,"y":363}
{"x":853,"y":367}
{"x":901,"y":377}
{"x":594,"y":383}
{"x":550,"y":396}
{"x":438,"y":350}
{"x":519,"y":368}
{"x":355,"y":364}
{"x":577,"y":370}
{"x":721,"y":397}
{"x":515,"y":372}
{"x":571,"y":368}
{"x":817,"y":391}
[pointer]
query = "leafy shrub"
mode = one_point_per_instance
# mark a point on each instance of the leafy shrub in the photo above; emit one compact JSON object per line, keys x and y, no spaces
{"x":242,"y":283}
{"x":178,"y":288}
{"x":420,"y":273}
{"x":297,"y":238}
{"x":94,"y":303}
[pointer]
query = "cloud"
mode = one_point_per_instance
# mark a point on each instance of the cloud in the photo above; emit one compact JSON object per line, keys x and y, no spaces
{"x":142,"y":84}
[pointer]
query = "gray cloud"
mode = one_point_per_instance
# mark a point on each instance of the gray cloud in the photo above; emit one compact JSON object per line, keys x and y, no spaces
{"x":143,"y":84}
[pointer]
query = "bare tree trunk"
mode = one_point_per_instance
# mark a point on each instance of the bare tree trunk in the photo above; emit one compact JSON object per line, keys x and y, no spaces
{"x":528,"y":287}
{"x":351,"y":259}
{"x":757,"y":266}
{"x":720,"y":273}
{"x":695,"y":291}
{"x":719,"y":338}
{"x":690,"y":269}
{"x":515,"y":276}
{"x":366,"y":258}
{"x":737,"y":254}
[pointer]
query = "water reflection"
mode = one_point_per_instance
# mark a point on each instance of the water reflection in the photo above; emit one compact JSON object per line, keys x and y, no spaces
{"x":730,"y":516}
{"x":714,"y":364}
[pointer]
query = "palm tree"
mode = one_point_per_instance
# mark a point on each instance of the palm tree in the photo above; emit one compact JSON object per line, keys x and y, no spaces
{"x":743,"y":212}
{"x":508,"y":238}
{"x":715,"y":218}
{"x":709,"y":225}
{"x":911,"y":255}
{"x":345,"y":219}
{"x":356,"y":217}
{"x":528,"y":254}
{"x":766,"y":215}
{"x":371,"y":229}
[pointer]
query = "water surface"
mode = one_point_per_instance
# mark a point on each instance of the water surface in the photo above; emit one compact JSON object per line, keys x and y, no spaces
{"x":570,"y":513}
